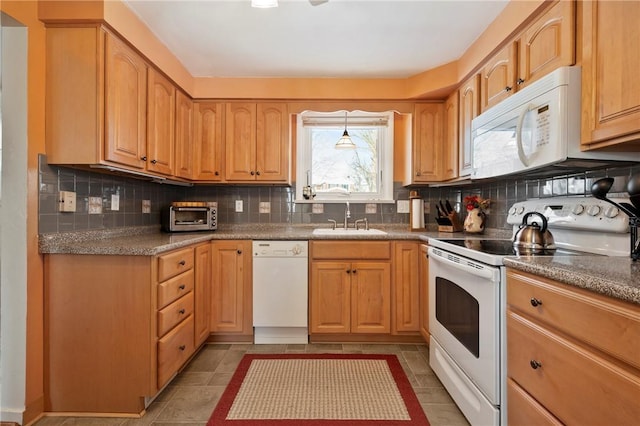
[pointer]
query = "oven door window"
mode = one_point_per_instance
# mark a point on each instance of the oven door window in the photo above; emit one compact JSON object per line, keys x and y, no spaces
{"x":459,"y":313}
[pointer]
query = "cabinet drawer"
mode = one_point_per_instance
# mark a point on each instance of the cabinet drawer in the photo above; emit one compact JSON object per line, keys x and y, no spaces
{"x":604,"y":323}
{"x":174,"y":349}
{"x":174,"y":288}
{"x":174,"y":263}
{"x":573,"y":383}
{"x":171,"y":315}
{"x":524,"y":410}
{"x":346,"y":250}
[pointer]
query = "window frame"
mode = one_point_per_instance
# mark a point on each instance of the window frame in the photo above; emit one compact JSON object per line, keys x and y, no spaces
{"x":337,"y":118}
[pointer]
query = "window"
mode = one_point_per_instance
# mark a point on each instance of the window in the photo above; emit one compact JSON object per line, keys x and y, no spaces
{"x":364,"y":173}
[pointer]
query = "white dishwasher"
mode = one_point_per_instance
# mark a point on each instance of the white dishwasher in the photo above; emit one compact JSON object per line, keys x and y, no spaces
{"x":280,"y":291}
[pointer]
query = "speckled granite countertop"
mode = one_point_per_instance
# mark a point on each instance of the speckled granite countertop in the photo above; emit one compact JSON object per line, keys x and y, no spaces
{"x":150,"y":241}
{"x":617,"y":277}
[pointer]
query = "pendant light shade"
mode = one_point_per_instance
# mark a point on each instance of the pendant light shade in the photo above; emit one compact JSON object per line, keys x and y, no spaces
{"x":345,"y":141}
{"x":263,"y":4}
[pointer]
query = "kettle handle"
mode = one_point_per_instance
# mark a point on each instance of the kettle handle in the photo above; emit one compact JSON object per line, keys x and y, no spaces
{"x":544,"y":220}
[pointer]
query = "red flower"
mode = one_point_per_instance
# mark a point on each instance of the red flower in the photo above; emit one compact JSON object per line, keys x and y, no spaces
{"x":475,"y":202}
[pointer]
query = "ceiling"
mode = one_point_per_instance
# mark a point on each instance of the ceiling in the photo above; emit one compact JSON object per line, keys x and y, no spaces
{"x":336,"y":39}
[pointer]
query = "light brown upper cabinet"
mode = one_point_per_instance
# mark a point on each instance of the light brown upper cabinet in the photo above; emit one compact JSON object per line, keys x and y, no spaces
{"x":451,"y":142}
{"x":257,"y":142}
{"x":546,"y":44}
{"x":427,"y":147}
{"x":105,"y":123}
{"x":184,"y":136}
{"x":161,"y":119}
{"x":208,"y":144}
{"x":610,"y":84}
{"x":469,"y":108}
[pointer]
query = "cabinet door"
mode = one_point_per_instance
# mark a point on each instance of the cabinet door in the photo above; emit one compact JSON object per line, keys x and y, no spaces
{"x":272,"y":142}
{"x":330,"y":298}
{"x":498,"y":77}
{"x":208,"y":142}
{"x":547,"y":44}
{"x":161,"y":107}
{"x":469,"y":108}
{"x":450,"y":145}
{"x":424,"y":291}
{"x":125,"y":104}
{"x":406,"y":283}
{"x":184,"y":136}
{"x":202,"y":289}
{"x":610,"y":83}
{"x":240,"y":141}
{"x":370,"y":297}
{"x":427,"y":143}
{"x":231,"y":290}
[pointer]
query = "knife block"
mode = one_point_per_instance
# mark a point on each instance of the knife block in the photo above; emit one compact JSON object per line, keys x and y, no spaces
{"x":451,"y":223}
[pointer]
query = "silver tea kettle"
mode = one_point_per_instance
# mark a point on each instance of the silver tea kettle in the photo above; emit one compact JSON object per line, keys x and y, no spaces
{"x":533,"y":236}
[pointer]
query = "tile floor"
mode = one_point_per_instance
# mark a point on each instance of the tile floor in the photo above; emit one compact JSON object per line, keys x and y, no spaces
{"x":192,"y":395}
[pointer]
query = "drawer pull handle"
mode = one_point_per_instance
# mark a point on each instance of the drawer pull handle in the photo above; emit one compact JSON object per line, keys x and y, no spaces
{"x":182,"y":287}
{"x":181,"y":311}
{"x":182,"y":263}
{"x":535,"y":364}
{"x":182,"y":347}
{"x":535,"y":302}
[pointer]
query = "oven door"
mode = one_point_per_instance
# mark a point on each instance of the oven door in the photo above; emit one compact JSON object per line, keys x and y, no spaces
{"x":464,"y":317}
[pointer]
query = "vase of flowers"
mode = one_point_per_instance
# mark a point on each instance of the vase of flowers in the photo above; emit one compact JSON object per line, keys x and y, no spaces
{"x":476,"y":217}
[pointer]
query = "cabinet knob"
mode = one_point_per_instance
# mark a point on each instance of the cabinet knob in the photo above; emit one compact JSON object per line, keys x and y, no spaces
{"x":182,"y":347}
{"x":535,"y":302}
{"x":143,"y":158}
{"x":217,"y":173}
{"x":519,"y":81}
{"x":239,"y":251}
{"x":508,"y":88}
{"x":182,"y":263}
{"x":535,"y":364}
{"x":182,"y":287}
{"x":181,"y":311}
{"x":354,"y":271}
{"x":154,"y":161}
{"x":348,"y":271}
{"x":258,"y":173}
{"x":252,"y":172}
{"x":417,"y":173}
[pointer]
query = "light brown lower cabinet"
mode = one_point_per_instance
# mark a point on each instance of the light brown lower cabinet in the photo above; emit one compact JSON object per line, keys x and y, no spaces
{"x":117,"y":328}
{"x":572,"y":355}
{"x":424,"y":292}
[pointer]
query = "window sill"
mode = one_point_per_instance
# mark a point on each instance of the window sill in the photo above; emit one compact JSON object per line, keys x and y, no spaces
{"x":342,"y":201}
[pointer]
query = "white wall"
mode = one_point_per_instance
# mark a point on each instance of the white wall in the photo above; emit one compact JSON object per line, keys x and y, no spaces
{"x":13,"y":219}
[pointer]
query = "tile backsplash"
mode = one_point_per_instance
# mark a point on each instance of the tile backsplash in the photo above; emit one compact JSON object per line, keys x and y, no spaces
{"x":274,"y":204}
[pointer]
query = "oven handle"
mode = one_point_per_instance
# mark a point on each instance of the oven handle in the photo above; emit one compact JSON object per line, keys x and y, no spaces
{"x":436,"y":255}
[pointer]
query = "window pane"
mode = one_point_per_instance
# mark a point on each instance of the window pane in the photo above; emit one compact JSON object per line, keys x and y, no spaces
{"x":353,"y":170}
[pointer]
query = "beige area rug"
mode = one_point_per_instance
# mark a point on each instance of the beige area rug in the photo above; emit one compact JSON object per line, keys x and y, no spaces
{"x":318,"y":389}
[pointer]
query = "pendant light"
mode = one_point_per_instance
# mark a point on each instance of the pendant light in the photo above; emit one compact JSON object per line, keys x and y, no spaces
{"x":345,"y":141}
{"x":263,"y":4}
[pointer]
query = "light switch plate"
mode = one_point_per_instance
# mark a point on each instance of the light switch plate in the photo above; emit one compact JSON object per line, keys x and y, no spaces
{"x":146,"y":206}
{"x":403,"y":206}
{"x":239,"y":206}
{"x":115,"y":202}
{"x":371,"y":208}
{"x":67,"y":201}
{"x":317,"y":208}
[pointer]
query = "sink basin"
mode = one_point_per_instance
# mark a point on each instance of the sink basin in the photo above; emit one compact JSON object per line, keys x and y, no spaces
{"x":347,"y":232}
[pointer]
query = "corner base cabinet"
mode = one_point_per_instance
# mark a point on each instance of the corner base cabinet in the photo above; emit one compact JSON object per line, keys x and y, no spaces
{"x":117,"y":328}
{"x":572,"y":355}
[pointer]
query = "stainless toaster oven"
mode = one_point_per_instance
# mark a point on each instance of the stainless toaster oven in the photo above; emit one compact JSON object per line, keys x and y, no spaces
{"x":190,"y":216}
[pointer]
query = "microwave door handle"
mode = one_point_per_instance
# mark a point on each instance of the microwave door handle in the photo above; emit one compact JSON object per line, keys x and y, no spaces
{"x":523,"y":157}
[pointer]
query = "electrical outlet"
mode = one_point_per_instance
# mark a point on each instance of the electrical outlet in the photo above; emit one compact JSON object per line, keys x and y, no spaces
{"x":95,"y":205}
{"x":239,"y":206}
{"x":146,"y":206}
{"x":115,"y":202}
{"x":67,"y":201}
{"x":317,"y":208}
{"x":403,"y":206}
{"x":264,"y":207}
{"x":371,"y":208}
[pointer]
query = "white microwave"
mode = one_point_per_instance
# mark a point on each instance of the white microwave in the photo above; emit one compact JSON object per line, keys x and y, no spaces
{"x":536,"y":131}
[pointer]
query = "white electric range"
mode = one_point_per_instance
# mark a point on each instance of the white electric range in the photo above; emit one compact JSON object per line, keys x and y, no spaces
{"x":467,"y":296}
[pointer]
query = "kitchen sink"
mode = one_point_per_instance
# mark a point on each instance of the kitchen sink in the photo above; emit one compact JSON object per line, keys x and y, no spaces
{"x":346,"y":232}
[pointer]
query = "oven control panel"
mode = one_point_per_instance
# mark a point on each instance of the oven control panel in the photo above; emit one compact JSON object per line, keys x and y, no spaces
{"x":583,"y":213}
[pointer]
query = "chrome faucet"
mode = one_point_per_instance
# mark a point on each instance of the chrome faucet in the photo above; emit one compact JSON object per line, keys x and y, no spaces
{"x":347,"y":215}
